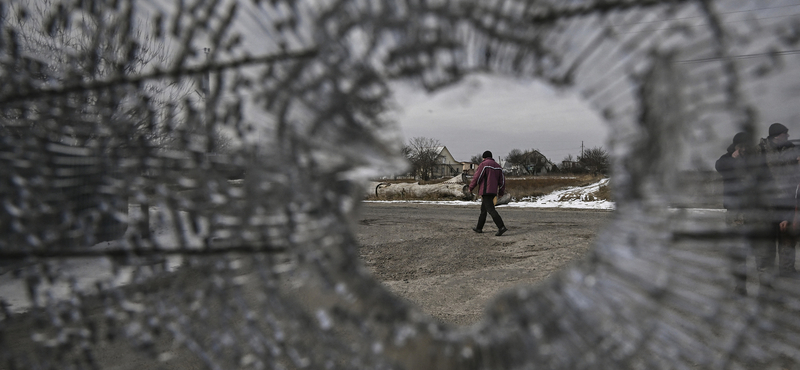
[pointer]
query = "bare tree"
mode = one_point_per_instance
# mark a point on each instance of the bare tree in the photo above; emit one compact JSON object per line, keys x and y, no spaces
{"x":422,"y":152}
{"x":515,"y":158}
{"x":478,"y":158}
{"x":595,"y":160}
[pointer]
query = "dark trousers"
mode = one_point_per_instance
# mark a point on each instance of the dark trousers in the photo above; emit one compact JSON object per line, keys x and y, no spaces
{"x":779,"y":244}
{"x":786,"y":253}
{"x":487,"y":206}
{"x":766,"y":243}
{"x":738,"y":254}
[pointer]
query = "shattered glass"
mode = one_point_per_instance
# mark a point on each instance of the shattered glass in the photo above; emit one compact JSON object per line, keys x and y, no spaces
{"x":180,"y":178}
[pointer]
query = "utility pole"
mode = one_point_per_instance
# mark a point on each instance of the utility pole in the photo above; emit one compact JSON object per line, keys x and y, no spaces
{"x":206,"y":106}
{"x":206,"y":86}
{"x":581,"y":148}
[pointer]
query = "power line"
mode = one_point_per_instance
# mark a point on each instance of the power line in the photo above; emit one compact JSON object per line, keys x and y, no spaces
{"x":743,"y":56}
{"x":157,"y":74}
{"x":703,"y":25}
{"x":699,"y":16}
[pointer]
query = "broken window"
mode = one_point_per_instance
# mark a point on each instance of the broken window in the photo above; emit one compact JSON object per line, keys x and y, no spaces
{"x":178,"y":181}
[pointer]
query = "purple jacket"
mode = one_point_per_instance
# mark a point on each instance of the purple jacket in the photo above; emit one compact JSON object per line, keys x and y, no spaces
{"x":488,"y":178}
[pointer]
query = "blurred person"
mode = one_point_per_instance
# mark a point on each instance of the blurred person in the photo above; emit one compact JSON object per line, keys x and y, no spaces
{"x":796,"y":219}
{"x":742,"y":171}
{"x":490,"y":182}
{"x":780,"y":156}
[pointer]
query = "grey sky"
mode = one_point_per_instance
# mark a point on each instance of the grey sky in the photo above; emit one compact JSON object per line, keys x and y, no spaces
{"x":500,"y":114}
{"x":504,"y":113}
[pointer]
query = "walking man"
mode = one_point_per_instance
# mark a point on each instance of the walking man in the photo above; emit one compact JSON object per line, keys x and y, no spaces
{"x":490,"y":182}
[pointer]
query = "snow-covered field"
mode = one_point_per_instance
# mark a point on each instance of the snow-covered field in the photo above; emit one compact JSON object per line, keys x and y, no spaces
{"x":576,"y":198}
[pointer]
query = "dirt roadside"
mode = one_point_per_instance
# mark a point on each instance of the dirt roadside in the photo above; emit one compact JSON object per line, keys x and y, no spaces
{"x":429,"y":255}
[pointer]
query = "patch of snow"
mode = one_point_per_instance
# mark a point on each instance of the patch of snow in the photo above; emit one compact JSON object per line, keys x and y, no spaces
{"x":575,"y":197}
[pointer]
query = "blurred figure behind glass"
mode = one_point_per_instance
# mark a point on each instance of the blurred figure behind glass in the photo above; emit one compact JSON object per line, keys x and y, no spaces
{"x":780,"y":156}
{"x":744,"y":175}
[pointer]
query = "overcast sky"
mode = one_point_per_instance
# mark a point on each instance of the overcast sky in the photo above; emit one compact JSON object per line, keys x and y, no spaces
{"x":500,"y":114}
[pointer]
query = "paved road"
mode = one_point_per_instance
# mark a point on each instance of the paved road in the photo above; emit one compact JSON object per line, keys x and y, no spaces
{"x":430,"y":255}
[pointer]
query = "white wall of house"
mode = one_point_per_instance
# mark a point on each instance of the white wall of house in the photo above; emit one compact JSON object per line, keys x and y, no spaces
{"x":468,"y":167}
{"x":447,"y":166}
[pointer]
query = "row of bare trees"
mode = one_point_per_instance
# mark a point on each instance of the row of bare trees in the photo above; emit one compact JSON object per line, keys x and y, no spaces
{"x":423,"y":154}
{"x":532,"y":161}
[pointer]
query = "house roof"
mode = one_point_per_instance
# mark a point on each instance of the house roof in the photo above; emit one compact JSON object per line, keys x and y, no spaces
{"x":443,"y":151}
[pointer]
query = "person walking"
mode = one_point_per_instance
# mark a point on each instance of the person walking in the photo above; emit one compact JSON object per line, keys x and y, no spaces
{"x":780,"y":156}
{"x":490,"y":182}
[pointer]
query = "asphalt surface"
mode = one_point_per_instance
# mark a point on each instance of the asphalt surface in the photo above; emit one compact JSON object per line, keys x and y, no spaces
{"x":429,"y":255}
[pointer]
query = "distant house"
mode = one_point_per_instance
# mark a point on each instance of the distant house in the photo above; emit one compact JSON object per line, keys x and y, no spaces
{"x":446,"y":165}
{"x":545,"y":167}
{"x":468,"y":168}
{"x":509,"y":169}
{"x":535,"y":164}
{"x":569,"y":166}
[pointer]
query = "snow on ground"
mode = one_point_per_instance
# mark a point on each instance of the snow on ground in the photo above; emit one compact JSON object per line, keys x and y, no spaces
{"x":577,"y":197}
{"x":572,"y":198}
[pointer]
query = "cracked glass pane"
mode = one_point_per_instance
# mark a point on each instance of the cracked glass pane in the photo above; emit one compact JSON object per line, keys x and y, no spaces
{"x":180,"y":181}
